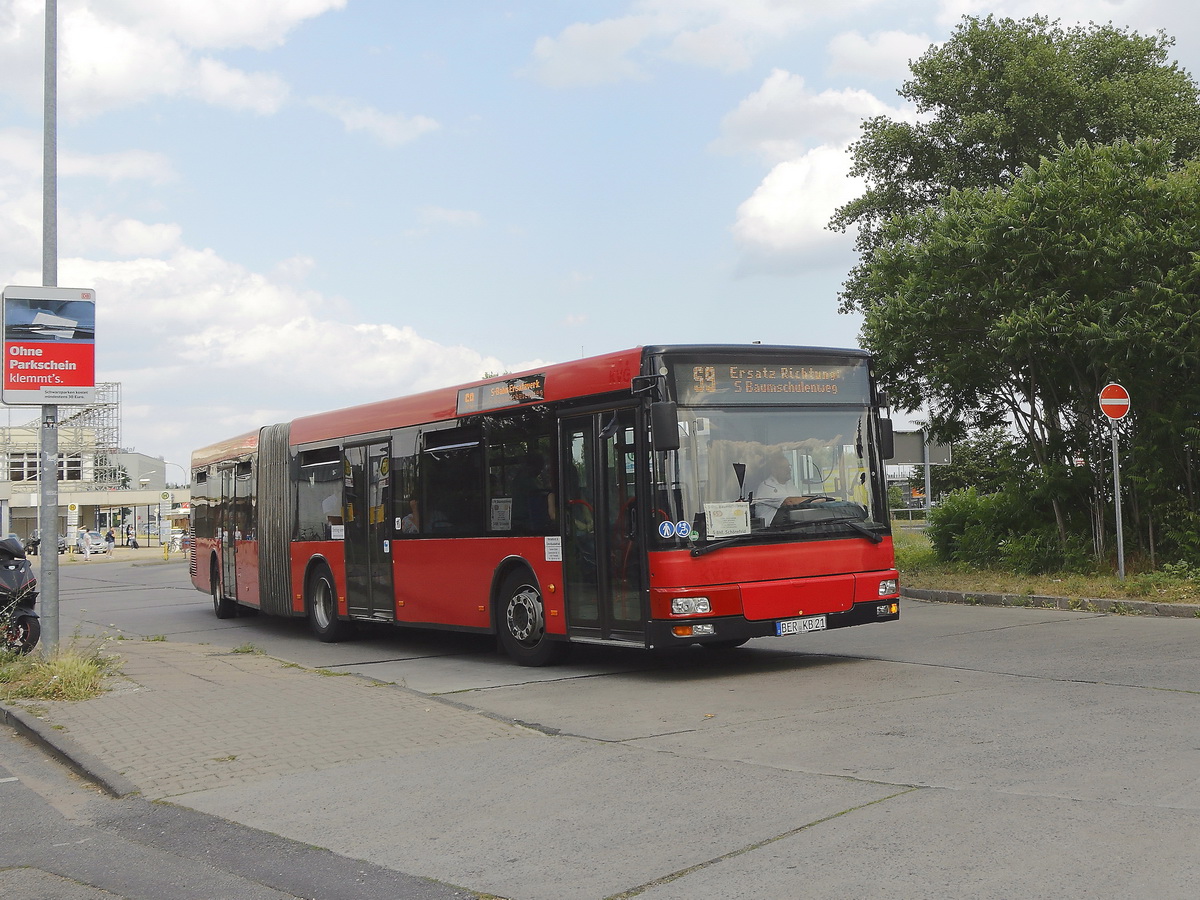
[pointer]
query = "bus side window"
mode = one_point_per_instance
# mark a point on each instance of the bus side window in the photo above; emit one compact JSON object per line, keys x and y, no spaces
{"x":521,"y":473}
{"x":451,"y":483}
{"x":318,"y":493}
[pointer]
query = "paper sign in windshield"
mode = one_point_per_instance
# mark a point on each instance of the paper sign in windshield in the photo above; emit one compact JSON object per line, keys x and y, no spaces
{"x":727,"y":519}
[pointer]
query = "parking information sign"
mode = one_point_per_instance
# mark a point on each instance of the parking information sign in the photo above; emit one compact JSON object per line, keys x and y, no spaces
{"x":49,"y":346}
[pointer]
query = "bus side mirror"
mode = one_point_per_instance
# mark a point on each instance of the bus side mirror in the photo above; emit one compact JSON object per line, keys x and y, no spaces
{"x":887,"y":439}
{"x":664,"y":425}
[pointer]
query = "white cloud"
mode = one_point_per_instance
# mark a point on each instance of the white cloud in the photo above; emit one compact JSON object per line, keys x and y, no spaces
{"x":782,"y":225}
{"x":117,"y":53}
{"x":217,"y":23}
{"x":587,"y":54}
{"x":783,"y":118}
{"x":392,"y":129}
{"x":882,"y":54}
{"x":718,"y":34}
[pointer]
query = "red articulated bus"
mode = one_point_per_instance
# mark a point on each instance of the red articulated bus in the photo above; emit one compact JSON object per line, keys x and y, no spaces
{"x":660,"y":496}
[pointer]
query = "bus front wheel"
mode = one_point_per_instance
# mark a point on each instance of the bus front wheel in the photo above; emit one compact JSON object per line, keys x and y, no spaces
{"x":521,"y":622}
{"x":322,"y":608}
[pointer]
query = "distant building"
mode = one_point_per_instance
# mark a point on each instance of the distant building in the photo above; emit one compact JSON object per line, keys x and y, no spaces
{"x":100,"y":485}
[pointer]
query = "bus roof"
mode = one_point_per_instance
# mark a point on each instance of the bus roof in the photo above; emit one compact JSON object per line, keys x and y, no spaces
{"x":576,"y":378}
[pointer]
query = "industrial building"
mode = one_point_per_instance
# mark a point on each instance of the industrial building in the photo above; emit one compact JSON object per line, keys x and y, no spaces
{"x":101,"y":484}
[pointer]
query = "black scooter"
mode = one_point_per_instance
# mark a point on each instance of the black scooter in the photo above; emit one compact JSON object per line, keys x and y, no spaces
{"x":20,"y":628}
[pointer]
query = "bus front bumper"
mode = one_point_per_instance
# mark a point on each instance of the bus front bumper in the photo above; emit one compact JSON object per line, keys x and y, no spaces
{"x":731,"y":629}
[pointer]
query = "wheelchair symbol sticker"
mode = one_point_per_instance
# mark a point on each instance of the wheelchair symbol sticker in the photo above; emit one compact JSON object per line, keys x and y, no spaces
{"x":683,"y":529}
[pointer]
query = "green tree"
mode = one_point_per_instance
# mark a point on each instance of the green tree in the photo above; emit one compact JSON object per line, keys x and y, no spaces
{"x":1001,"y":94}
{"x":988,"y":460}
{"x":1019,"y":303}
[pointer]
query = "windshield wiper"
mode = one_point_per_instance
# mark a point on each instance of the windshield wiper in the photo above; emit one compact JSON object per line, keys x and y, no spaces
{"x":873,"y":536}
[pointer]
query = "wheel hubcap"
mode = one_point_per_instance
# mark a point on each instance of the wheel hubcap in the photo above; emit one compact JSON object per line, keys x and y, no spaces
{"x":323,"y":605}
{"x":524,"y":616}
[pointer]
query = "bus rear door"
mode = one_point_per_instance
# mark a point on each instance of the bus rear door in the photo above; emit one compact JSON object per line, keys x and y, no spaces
{"x":602,"y":553}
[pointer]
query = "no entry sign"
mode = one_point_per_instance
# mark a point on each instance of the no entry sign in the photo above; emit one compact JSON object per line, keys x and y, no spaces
{"x":1114,"y":401}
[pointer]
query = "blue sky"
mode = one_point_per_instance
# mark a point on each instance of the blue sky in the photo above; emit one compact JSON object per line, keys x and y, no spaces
{"x":293,"y":205}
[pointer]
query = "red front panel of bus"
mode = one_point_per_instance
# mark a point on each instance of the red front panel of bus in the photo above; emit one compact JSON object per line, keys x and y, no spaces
{"x":773,"y":581}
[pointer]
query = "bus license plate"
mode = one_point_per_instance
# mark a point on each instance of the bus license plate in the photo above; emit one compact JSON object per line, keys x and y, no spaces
{"x":800,"y":626}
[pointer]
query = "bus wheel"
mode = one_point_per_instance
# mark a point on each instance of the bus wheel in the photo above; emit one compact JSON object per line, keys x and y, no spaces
{"x":522,"y":623}
{"x":322,"y":608}
{"x":222,"y":606}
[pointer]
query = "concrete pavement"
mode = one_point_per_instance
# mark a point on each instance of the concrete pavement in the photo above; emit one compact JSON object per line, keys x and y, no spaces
{"x":189,"y":717}
{"x":233,"y":730}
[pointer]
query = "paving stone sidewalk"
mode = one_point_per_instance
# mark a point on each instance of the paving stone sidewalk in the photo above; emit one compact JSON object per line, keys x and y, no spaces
{"x":188,"y":717}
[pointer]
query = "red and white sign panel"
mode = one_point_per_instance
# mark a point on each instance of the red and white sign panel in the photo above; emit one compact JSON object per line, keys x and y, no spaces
{"x":1114,"y":401}
{"x":49,"y":346}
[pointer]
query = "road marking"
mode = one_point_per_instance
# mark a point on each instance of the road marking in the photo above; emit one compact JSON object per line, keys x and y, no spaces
{"x":7,"y":780}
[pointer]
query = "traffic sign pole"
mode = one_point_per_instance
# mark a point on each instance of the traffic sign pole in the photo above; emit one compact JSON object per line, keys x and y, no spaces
{"x":1117,"y":500}
{"x":1114,"y":403}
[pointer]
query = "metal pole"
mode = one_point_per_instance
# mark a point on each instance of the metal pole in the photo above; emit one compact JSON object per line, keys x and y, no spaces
{"x":48,"y":476}
{"x":1117,"y":501}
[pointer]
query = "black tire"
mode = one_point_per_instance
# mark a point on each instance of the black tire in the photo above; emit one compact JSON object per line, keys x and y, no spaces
{"x":321,"y":600}
{"x":521,"y":622}
{"x":22,"y":635}
{"x":222,"y":606}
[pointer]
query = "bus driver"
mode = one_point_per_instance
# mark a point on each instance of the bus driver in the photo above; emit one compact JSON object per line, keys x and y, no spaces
{"x":777,"y":491}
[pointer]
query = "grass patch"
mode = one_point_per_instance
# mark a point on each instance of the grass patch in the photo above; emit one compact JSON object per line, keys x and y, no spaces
{"x":920,"y":568}
{"x":71,"y":673}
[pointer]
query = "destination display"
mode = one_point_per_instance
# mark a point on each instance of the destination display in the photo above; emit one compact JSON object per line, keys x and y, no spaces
{"x":500,"y":394}
{"x":761,"y":381}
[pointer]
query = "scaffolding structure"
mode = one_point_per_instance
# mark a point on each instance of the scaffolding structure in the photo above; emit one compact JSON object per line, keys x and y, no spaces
{"x":89,"y":439}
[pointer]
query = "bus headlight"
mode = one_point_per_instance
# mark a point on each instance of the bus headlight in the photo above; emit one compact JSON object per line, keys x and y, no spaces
{"x":888,"y":586}
{"x":690,"y":606}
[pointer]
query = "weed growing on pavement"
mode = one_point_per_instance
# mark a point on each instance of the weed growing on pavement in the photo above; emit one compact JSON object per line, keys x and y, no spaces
{"x":246,"y":648}
{"x":154,"y":637}
{"x":70,"y":673}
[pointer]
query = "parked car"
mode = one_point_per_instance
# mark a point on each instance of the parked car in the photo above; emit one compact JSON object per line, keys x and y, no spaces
{"x":95,"y":542}
{"x":34,"y":541}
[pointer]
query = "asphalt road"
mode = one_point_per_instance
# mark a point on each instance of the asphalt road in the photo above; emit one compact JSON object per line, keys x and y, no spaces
{"x":963,"y":751}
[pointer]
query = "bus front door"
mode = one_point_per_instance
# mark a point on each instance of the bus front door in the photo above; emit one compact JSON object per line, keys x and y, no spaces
{"x":602,"y":556}
{"x":368,"y":530}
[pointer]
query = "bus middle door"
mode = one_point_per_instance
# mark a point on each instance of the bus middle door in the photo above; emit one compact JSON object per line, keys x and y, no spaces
{"x":602,"y":553}
{"x":227,"y":525}
{"x":367,"y":518}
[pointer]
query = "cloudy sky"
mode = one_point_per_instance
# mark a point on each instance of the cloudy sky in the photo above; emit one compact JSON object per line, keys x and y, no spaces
{"x":294,"y":205}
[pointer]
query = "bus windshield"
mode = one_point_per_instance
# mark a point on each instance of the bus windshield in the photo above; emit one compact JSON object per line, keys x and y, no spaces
{"x":769,"y":474}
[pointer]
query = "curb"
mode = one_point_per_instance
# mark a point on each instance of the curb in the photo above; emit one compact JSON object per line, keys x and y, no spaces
{"x":66,"y":751}
{"x":1072,"y":604}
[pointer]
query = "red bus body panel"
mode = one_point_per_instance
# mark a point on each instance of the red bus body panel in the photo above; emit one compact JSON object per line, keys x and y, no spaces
{"x":450,"y":581}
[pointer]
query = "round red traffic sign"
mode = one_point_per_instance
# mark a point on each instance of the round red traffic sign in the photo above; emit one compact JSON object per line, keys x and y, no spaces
{"x":1114,"y":401}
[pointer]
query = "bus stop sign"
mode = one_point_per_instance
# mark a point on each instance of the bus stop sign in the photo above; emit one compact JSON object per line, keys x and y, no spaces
{"x":1114,"y":401}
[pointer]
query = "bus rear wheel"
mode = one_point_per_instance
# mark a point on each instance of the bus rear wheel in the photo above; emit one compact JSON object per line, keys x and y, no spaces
{"x":222,"y":606}
{"x":521,"y":621}
{"x":322,"y":608}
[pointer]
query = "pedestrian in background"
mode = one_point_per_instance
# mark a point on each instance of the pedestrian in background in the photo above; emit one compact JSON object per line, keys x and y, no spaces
{"x":84,"y":544}
{"x":110,"y":541}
